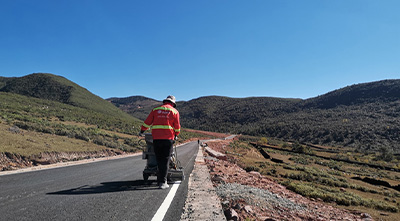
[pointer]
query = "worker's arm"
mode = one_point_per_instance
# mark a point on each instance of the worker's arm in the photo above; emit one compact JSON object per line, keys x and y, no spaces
{"x":177,"y":125}
{"x":148,"y":122}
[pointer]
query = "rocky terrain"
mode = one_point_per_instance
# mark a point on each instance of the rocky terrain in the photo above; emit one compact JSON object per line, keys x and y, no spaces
{"x":250,"y":195}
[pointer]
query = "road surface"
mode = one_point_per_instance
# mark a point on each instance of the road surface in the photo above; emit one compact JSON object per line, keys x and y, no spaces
{"x":104,"y":190}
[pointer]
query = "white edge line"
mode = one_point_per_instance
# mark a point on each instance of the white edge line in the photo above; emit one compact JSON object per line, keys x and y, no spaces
{"x":65,"y":164}
{"x":69,"y":163}
{"x":159,"y":216}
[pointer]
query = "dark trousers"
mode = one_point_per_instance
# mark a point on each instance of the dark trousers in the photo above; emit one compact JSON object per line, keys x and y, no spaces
{"x":163,"y":151}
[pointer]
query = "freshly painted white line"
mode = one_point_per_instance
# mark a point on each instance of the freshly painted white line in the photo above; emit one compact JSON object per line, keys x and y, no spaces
{"x":65,"y":164}
{"x":159,"y":216}
{"x":69,"y":163}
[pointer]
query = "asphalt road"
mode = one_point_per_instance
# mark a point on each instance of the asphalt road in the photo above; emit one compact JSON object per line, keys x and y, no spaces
{"x":104,"y":190}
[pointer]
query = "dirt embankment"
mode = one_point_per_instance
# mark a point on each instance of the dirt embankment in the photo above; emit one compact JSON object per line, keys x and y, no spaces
{"x":250,"y":195}
{"x":11,"y":161}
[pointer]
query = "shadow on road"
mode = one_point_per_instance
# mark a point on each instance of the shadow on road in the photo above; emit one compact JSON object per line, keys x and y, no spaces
{"x":109,"y":187}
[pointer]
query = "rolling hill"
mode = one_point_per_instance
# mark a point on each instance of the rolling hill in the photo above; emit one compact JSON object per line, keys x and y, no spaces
{"x":363,"y":116}
{"x":385,"y":91}
{"x":137,"y":106}
{"x":49,"y":116}
{"x":43,"y":115}
{"x":57,"y":88}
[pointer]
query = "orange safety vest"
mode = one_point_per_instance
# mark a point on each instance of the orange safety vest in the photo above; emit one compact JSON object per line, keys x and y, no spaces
{"x":164,"y":122}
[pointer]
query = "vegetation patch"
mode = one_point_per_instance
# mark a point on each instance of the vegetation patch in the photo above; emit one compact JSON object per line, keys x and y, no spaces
{"x":341,"y":198}
{"x":44,"y":113}
{"x":363,"y":116}
{"x":327,"y":179}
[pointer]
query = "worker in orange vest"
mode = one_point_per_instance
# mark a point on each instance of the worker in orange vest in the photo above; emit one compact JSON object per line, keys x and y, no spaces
{"x":165,"y":128}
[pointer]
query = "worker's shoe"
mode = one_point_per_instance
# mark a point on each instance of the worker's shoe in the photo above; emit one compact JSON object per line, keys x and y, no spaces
{"x":163,"y":185}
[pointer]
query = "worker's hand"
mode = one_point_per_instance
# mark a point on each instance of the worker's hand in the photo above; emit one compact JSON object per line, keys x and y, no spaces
{"x":141,"y":133}
{"x":176,"y":137}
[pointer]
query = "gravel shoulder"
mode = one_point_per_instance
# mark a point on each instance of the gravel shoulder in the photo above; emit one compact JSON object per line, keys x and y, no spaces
{"x":202,"y":202}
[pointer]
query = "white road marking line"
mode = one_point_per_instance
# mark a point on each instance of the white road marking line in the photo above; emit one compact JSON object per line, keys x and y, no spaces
{"x":159,"y":216}
{"x":65,"y":164}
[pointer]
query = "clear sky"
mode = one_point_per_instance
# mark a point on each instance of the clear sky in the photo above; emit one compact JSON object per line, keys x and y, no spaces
{"x":194,"y":48}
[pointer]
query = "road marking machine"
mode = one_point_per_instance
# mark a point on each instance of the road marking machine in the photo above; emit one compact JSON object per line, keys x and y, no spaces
{"x":175,"y":170}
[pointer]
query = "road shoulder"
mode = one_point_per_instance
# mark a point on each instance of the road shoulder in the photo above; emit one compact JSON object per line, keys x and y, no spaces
{"x":202,"y":202}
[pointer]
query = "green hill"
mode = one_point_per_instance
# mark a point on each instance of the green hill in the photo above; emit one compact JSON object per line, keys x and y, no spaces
{"x":363,"y":116}
{"x":385,"y":91}
{"x":137,"y":106}
{"x":224,"y":114}
{"x":55,"y":110}
{"x":57,"y":88}
{"x":48,"y":113}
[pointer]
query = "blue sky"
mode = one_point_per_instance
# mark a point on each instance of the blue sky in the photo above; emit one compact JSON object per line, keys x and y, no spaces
{"x":194,"y":48}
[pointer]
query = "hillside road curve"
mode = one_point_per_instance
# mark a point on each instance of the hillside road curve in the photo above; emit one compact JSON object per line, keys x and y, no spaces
{"x":103,"y":190}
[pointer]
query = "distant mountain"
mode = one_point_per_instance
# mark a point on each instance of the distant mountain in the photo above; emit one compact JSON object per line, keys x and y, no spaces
{"x":137,"y":106}
{"x":381,"y":91}
{"x":224,"y":114}
{"x":363,"y":116}
{"x":57,"y":88}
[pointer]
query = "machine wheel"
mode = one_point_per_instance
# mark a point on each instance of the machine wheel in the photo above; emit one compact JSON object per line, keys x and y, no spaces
{"x":145,"y":176}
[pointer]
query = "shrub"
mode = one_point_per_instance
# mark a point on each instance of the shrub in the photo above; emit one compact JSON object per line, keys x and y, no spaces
{"x":332,"y":195}
{"x":300,"y":160}
{"x":263,"y":140}
{"x":298,"y":148}
{"x":251,"y":168}
{"x":385,"y":154}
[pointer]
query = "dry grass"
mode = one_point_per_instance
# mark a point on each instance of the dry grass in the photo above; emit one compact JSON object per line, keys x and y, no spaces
{"x":379,"y":196}
{"x":27,"y":143}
